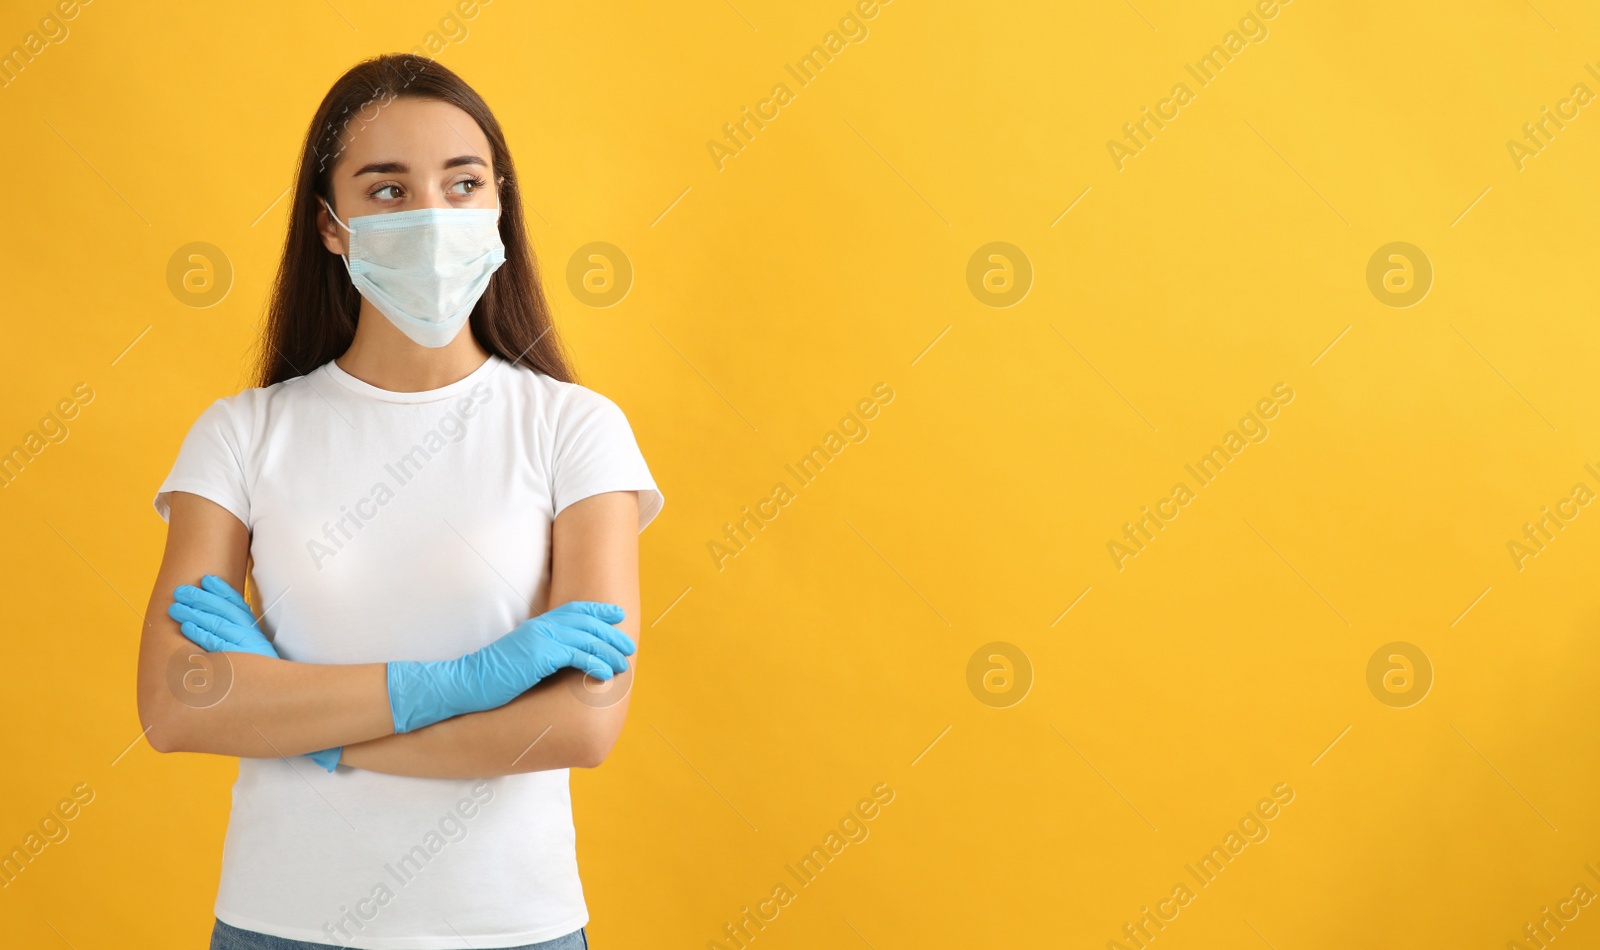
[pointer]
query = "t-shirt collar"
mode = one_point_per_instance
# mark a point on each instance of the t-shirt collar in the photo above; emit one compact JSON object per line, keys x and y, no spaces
{"x":457,"y":388}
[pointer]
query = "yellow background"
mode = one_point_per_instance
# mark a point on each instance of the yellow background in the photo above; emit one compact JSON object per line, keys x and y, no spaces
{"x":829,"y":256}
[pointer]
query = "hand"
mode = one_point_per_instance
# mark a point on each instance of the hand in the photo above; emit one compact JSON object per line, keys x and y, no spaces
{"x":577,"y":634}
{"x":216,"y":618}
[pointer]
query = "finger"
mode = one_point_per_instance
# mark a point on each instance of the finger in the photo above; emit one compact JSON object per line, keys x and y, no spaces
{"x":204,"y":639}
{"x":327,"y":758}
{"x":610,"y":654}
{"x":590,"y":644}
{"x":599,"y":628}
{"x":590,"y":664}
{"x":215,"y":603}
{"x":223,"y":589}
{"x":610,"y":613}
{"x":205,"y":620}
{"x":228,"y":638}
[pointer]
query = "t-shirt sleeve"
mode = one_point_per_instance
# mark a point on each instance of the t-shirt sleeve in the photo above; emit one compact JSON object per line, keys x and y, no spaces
{"x":595,"y":452}
{"x":210,"y":463}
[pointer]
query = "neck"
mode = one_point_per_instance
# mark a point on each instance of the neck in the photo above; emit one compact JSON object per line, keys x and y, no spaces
{"x":382,"y":356}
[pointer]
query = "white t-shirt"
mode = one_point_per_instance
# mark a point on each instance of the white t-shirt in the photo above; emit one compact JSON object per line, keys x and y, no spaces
{"x":403,"y":526}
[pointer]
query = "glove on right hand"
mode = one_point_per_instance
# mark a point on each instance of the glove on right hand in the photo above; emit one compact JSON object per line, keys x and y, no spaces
{"x":578,"y":634}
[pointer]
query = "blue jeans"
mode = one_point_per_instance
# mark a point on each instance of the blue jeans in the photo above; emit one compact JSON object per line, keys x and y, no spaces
{"x":227,"y":937}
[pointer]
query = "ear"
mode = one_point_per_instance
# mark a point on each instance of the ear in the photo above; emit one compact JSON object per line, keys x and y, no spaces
{"x":333,"y":236}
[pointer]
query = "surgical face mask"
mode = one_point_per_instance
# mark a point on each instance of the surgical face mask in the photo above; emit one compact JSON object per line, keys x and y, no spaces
{"x":424,"y":269}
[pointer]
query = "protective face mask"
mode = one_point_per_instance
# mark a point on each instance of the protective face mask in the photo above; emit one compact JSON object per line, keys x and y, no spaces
{"x":424,"y":269}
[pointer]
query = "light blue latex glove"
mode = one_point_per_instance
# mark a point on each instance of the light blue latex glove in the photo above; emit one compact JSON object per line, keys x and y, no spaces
{"x":216,"y":618}
{"x":578,"y":634}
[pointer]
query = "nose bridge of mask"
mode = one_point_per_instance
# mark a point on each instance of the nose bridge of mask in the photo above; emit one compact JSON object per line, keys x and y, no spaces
{"x":426,"y":245}
{"x":439,"y":241}
{"x":431,"y":220}
{"x":421,"y":215}
{"x":422,"y":239}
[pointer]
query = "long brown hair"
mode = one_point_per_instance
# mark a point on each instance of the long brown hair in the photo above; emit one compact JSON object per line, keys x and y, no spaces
{"x":311,"y":315}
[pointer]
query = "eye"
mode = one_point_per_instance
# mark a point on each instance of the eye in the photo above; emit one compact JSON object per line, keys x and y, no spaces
{"x":377,"y":192}
{"x":473,"y":185}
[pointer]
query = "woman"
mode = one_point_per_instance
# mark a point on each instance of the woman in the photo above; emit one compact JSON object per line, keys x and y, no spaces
{"x":407,"y":496}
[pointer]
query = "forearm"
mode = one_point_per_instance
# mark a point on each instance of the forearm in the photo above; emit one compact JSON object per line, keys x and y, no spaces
{"x":547,"y":727}
{"x":251,"y":706}
{"x":240,"y":704}
{"x":254,"y":706}
{"x":558,"y":723}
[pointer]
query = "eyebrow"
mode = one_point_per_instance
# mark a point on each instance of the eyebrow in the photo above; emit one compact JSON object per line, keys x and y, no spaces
{"x":401,"y":168}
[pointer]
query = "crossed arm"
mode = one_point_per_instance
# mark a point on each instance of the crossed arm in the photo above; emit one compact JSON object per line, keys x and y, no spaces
{"x":275,"y":708}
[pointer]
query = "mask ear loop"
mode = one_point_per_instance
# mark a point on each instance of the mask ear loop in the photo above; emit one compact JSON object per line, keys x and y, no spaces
{"x":340,"y":223}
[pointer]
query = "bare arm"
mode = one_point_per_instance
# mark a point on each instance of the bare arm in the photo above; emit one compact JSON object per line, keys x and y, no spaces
{"x":240,"y":704}
{"x":559,"y":723}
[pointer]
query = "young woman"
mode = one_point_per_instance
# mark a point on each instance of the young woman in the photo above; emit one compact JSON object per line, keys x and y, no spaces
{"x":441,"y":528}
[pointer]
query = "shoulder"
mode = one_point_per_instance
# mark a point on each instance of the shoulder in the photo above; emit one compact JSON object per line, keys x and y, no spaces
{"x":256,"y":398}
{"x":558,"y":400}
{"x":245,"y":411}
